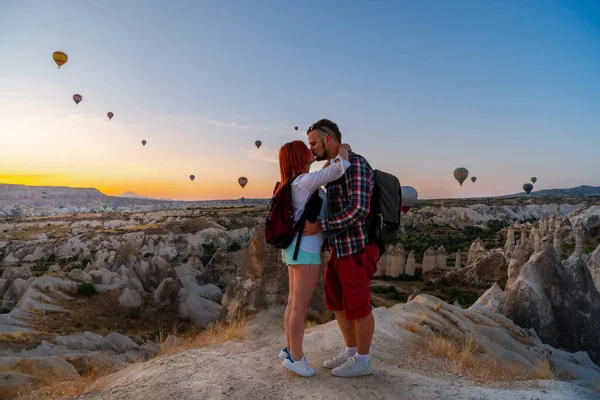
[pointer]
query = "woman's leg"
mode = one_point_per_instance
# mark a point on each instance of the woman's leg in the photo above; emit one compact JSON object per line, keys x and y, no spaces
{"x":288,"y":308}
{"x":305,"y":278}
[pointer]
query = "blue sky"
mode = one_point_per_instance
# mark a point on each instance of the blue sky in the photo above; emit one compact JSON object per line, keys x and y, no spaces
{"x":507,"y":89}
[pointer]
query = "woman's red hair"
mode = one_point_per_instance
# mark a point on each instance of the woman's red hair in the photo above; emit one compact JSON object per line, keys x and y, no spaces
{"x":293,"y":158}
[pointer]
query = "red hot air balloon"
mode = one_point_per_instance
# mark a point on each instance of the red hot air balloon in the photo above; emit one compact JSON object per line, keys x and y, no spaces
{"x":409,"y":198}
{"x":77,"y":98}
{"x":243,"y":181}
{"x":258,"y":143}
{"x":110,"y":115}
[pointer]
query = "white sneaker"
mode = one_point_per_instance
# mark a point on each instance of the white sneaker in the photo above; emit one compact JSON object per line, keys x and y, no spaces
{"x":300,"y":367}
{"x":283,"y":354}
{"x":353,"y":367}
{"x":337,"y":360}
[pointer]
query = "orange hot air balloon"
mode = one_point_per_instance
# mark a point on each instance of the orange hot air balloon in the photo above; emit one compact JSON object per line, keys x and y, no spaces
{"x":243,"y":181}
{"x":110,"y":115}
{"x":77,"y":98}
{"x":258,"y":143}
{"x":59,"y":58}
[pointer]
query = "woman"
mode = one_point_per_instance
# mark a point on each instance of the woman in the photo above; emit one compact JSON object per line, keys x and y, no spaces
{"x":294,"y":161}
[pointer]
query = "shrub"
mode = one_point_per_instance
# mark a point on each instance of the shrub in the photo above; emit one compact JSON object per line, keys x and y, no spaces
{"x":86,"y":289}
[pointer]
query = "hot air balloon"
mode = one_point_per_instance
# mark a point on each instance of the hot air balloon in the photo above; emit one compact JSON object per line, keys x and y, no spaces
{"x":59,"y":58}
{"x":528,"y":187}
{"x":533,"y":179}
{"x":110,"y":115}
{"x":460,"y":174}
{"x":192,"y":177}
{"x":473,"y":179}
{"x":409,"y":198}
{"x":296,"y":128}
{"x":77,"y":98}
{"x":144,"y":142}
{"x":258,"y":143}
{"x":243,"y":181}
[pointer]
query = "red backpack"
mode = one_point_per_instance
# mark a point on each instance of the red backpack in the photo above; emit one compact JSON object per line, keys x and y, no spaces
{"x":279,"y":226}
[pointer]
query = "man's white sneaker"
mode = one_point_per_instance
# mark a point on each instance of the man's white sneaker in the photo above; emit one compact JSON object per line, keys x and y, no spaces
{"x":337,"y":360}
{"x":284,"y":353}
{"x":300,"y":367}
{"x":353,"y":367}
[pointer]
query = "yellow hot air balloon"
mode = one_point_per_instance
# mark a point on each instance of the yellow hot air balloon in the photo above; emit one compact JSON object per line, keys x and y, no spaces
{"x":60,"y":58}
{"x":460,"y":174}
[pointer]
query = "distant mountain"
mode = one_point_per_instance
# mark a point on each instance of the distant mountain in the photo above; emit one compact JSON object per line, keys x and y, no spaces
{"x":579,"y":191}
{"x":133,"y":195}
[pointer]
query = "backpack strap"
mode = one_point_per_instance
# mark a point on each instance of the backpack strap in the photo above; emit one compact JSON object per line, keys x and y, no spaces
{"x":300,"y":225}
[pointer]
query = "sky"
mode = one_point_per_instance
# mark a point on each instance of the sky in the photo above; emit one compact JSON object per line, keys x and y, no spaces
{"x":507,"y":89}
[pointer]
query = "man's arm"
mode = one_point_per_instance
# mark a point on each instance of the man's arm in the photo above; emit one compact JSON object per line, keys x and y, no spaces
{"x":359,"y":196}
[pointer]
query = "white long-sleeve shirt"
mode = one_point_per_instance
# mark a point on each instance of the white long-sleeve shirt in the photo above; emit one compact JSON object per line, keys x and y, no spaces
{"x":302,"y":189}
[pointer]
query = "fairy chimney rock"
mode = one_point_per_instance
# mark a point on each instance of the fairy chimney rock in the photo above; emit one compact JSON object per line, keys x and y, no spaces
{"x":458,"y":262}
{"x":429,"y":260}
{"x":510,"y":239}
{"x":411,"y":264}
{"x":557,"y":246}
{"x":441,"y":258}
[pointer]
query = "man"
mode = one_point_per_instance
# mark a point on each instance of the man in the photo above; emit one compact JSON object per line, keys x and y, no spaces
{"x":353,"y":257}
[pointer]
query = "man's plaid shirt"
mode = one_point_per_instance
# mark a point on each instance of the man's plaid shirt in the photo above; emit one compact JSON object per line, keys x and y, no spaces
{"x":348,"y":205}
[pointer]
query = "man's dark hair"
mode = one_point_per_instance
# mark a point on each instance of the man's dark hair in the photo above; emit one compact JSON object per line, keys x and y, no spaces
{"x":330,"y":125}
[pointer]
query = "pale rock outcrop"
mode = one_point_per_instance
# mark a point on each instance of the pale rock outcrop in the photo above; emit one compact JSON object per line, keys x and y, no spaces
{"x":560,"y":302}
{"x":391,"y":262}
{"x":187,"y":276}
{"x":223,"y":267}
{"x":166,"y":293}
{"x":441,"y":258}
{"x":38,"y":254}
{"x":411,"y":263}
{"x":131,"y":302}
{"x":80,"y":275}
{"x":537,"y":241}
{"x":557,"y":246}
{"x":477,"y":251}
{"x":510,"y":239}
{"x":491,"y":299}
{"x":152,"y":273}
{"x":429,"y":263}
{"x":458,"y":260}
{"x":489,"y":269}
{"x":11,"y":273}
{"x":200,"y":311}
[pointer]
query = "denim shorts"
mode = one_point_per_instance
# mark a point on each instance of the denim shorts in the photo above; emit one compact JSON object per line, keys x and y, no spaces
{"x":304,"y":257}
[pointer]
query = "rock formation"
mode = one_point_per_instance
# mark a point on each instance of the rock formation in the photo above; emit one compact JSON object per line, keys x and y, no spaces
{"x":391,"y":262}
{"x":411,"y":263}
{"x":458,"y":260}
{"x":559,"y":302}
{"x":593,"y":265}
{"x":510,"y":239}
{"x":429,"y":260}
{"x":441,"y":258}
{"x":557,"y":246}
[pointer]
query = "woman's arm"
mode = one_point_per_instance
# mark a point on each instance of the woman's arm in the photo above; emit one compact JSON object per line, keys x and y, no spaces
{"x":314,"y":180}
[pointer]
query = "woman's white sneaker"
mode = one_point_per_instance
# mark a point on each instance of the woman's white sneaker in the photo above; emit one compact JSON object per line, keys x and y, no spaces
{"x":284,"y":353}
{"x":300,"y":367}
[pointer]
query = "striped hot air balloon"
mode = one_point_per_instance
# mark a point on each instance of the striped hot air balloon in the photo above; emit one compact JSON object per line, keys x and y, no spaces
{"x":528,"y":187}
{"x":77,"y":98}
{"x":59,"y":58}
{"x":243,"y":181}
{"x":460,"y":174}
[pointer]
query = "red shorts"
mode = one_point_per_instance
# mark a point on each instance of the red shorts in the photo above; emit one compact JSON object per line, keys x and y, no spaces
{"x":348,"y":281}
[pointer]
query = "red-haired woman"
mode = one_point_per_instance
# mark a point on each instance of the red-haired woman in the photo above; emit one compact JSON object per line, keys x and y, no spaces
{"x":308,"y":198}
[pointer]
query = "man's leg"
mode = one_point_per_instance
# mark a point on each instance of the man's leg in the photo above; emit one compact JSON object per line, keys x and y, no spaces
{"x":365,"y":327}
{"x":355,"y":275}
{"x":333,"y":302}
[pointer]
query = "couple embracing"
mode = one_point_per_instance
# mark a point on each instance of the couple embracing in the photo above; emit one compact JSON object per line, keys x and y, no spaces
{"x":339,"y":218}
